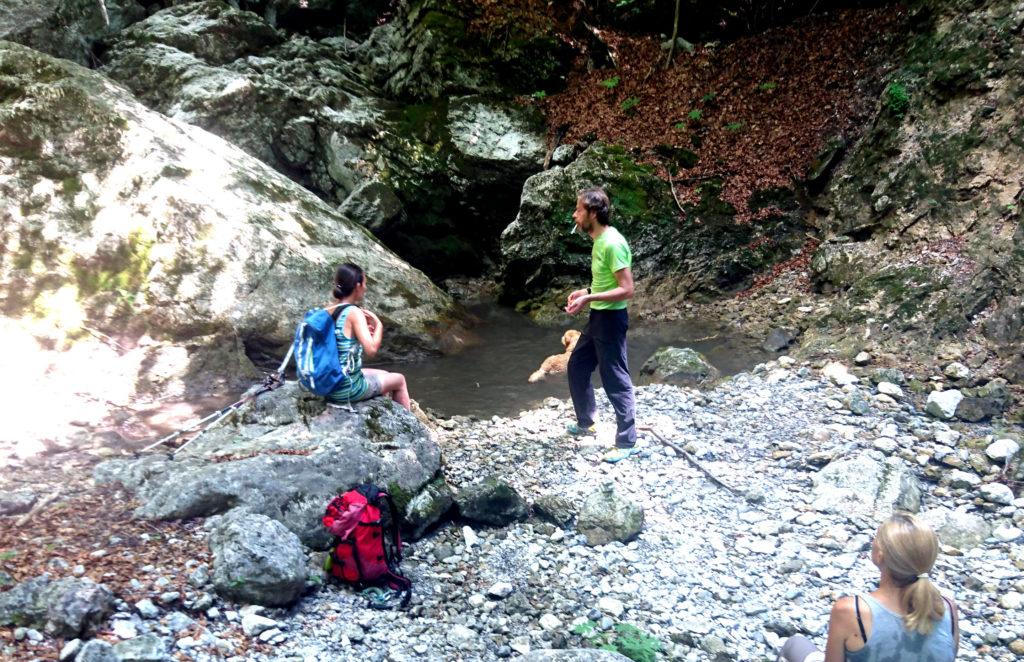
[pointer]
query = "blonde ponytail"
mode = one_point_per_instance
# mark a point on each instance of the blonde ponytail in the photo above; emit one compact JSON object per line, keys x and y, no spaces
{"x":909,"y":549}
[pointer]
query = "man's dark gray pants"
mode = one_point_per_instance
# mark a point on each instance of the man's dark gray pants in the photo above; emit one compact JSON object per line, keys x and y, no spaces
{"x":603,"y":345}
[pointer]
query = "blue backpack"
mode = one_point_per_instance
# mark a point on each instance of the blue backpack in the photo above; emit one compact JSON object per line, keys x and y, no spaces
{"x":316,"y":352}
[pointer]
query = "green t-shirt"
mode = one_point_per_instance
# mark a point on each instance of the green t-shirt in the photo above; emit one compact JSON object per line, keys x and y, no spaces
{"x":610,"y":254}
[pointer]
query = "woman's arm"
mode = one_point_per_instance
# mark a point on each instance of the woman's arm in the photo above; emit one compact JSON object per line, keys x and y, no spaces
{"x":370,"y":340}
{"x":842,"y":624}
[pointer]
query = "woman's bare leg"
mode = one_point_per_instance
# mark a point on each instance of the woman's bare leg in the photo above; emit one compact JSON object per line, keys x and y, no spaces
{"x":392,"y":384}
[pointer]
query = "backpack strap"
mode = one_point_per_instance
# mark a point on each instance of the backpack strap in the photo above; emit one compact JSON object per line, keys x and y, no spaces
{"x":954,"y":624}
{"x":860,"y":622}
{"x":337,"y":308}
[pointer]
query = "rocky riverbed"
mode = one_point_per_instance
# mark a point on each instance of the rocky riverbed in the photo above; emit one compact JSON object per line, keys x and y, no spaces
{"x":815,"y":457}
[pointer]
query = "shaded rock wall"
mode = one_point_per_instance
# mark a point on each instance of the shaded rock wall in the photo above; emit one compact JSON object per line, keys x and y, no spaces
{"x":923,"y":227}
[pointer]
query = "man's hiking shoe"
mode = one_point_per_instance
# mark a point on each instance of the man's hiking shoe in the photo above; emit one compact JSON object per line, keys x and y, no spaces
{"x":620,"y":454}
{"x":577,"y":431}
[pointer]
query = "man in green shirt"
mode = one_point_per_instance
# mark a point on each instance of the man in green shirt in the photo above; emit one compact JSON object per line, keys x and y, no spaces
{"x":603,"y":342}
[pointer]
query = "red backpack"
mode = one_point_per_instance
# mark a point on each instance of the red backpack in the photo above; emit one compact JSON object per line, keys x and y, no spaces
{"x":367,"y":547}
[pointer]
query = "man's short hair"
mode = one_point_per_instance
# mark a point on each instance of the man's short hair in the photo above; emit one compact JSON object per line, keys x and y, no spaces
{"x":596,"y":200}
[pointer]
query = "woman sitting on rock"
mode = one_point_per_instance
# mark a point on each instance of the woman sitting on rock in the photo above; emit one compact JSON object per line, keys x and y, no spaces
{"x":905,"y":620}
{"x":358,"y":331}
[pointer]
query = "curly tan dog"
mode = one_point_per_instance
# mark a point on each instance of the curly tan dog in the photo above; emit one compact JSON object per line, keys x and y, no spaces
{"x":557,"y":362}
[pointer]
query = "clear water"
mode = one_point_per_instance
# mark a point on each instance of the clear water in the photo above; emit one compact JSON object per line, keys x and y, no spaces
{"x":490,"y":377}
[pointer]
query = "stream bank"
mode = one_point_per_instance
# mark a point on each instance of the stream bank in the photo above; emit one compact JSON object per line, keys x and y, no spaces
{"x":812,"y":477}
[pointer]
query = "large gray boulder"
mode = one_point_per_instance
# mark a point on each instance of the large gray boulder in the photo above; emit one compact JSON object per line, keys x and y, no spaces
{"x":867,"y":485}
{"x":958,"y":528}
{"x":137,"y":221}
{"x":256,"y":560}
{"x":63,"y":608}
{"x":491,"y":501}
{"x":285,"y":459}
{"x":66,"y":28}
{"x":607,"y":517}
{"x":683,"y":366}
{"x":428,"y":507}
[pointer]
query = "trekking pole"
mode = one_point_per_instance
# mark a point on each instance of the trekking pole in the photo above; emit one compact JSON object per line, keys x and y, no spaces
{"x":269,"y":384}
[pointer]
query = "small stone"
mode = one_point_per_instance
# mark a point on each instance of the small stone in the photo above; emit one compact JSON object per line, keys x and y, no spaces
{"x":124,"y":629}
{"x":863,"y":358}
{"x":70,"y":650}
{"x":253,"y":624}
{"x":943,"y":404}
{"x":890,"y":389}
{"x":885,"y":444}
{"x":550,"y":622}
{"x":500,"y":590}
{"x":1017,"y":646}
{"x":147,"y":609}
{"x":169,"y":597}
{"x":963,"y":479}
{"x":956,"y":370}
{"x":1001,"y":450}
{"x":1007,"y":533}
{"x":1011,"y":600}
{"x":611,"y":606}
{"x":996,"y":493}
{"x":520,"y":644}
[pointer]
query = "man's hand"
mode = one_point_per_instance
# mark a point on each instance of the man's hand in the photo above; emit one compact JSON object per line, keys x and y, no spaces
{"x":577,"y":300}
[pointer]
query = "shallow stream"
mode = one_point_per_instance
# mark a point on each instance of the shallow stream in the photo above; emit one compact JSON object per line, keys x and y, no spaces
{"x":490,"y":377}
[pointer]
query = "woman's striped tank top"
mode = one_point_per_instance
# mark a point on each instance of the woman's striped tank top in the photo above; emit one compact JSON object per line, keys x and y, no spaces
{"x":350,"y":353}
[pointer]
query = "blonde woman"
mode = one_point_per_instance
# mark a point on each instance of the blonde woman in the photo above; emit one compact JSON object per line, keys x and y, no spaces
{"x":905,"y":620}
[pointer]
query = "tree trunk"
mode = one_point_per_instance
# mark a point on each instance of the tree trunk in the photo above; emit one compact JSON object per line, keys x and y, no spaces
{"x":675,"y":33}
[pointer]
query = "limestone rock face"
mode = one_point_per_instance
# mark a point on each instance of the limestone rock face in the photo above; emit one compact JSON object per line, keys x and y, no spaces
{"x":127,"y":218}
{"x":285,"y":461}
{"x":66,"y":28}
{"x":937,"y":170}
{"x":257,"y":560}
{"x":867,"y":485}
{"x":679,"y":365}
{"x":701,"y":254}
{"x":436,"y":181}
{"x":430,"y":52}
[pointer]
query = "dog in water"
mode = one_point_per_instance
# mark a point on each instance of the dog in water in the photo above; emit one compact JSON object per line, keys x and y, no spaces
{"x":557,"y":362}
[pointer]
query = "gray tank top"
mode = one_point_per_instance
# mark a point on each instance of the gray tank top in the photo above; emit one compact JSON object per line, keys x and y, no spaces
{"x":890,"y":641}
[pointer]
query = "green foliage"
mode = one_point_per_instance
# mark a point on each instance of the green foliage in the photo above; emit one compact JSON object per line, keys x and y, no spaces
{"x":695,"y":114}
{"x":539,"y":94}
{"x":767,"y":87}
{"x":734,"y":126}
{"x":710,"y":96}
{"x":8,"y":554}
{"x":897,"y":98}
{"x":610,"y":83}
{"x":623,"y":638}
{"x":630,"y":103}
{"x":679,"y":126}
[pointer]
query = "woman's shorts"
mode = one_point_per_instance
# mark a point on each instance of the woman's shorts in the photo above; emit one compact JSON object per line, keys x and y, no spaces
{"x":373,"y":387}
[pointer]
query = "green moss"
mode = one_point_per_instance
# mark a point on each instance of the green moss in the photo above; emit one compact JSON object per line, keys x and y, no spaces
{"x":122,"y":270}
{"x":400,"y":496}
